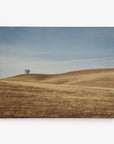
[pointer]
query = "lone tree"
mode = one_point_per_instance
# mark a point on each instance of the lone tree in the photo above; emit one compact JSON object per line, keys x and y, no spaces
{"x":27,"y":71}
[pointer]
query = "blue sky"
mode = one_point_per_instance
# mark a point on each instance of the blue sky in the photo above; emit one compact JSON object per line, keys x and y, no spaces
{"x":55,"y":49}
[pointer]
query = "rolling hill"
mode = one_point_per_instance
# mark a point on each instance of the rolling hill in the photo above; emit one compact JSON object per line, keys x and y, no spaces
{"x":76,"y":94}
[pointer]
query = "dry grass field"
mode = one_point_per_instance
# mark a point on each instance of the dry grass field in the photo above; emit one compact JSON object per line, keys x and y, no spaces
{"x":77,"y":94}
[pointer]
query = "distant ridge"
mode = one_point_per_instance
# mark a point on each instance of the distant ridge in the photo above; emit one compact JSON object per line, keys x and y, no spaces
{"x":88,"y":77}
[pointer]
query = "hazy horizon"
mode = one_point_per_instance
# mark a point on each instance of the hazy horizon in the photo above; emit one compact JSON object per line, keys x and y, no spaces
{"x":55,"y":49}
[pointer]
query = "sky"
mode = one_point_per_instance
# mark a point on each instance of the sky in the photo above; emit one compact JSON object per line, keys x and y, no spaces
{"x":55,"y":49}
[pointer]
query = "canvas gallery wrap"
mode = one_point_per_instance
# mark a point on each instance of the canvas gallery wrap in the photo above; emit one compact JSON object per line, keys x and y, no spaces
{"x":56,"y":72}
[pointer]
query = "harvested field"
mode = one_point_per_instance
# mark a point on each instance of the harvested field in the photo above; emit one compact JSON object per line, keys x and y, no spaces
{"x":77,"y":94}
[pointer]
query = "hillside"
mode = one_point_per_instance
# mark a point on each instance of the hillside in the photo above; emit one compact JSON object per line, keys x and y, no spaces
{"x":84,"y":93}
{"x":95,"y":77}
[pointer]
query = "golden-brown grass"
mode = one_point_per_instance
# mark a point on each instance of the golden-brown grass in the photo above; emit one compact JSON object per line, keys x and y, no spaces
{"x":78,"y":94}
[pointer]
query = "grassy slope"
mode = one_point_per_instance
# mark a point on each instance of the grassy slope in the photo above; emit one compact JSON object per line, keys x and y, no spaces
{"x":85,"y":93}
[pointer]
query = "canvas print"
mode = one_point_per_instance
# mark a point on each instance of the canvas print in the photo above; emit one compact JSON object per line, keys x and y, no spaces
{"x":56,"y":72}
